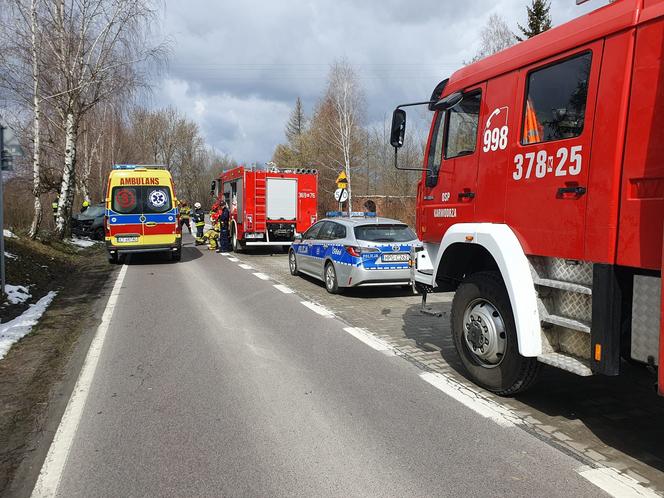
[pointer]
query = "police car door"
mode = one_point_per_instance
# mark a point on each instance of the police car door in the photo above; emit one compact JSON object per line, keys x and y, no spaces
{"x":304,"y":248}
{"x":324,"y":245}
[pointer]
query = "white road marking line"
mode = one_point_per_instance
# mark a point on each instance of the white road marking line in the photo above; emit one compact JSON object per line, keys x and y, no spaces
{"x":615,"y":483}
{"x":262,"y":276}
{"x":245,"y":267}
{"x":472,"y":399}
{"x":370,"y":340}
{"x":318,"y":309}
{"x":54,"y":464}
{"x":283,"y":288}
{"x":234,"y":260}
{"x":227,"y":254}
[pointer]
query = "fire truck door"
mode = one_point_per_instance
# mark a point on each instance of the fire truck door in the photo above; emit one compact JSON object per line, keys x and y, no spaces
{"x":547,"y":175}
{"x":454,"y":149}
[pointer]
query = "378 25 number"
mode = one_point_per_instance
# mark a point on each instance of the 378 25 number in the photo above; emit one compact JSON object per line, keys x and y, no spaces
{"x":568,"y":161}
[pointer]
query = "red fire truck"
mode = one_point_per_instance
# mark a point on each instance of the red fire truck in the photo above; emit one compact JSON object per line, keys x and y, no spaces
{"x":541,"y":201}
{"x":268,"y":207}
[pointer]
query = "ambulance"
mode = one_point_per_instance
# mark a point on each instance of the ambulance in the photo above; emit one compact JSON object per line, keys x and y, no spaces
{"x":141,"y":212}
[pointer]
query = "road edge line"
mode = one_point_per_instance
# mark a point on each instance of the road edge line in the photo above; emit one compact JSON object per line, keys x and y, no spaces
{"x":615,"y":483}
{"x":50,"y":474}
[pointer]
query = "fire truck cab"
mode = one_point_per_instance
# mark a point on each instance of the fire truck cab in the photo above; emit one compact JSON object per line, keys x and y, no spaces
{"x":268,"y":207}
{"x":541,"y":201}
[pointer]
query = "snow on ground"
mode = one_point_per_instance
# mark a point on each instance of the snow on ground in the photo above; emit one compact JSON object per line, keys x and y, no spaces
{"x":9,"y":234}
{"x":9,"y":255}
{"x":20,"y":326}
{"x":17,"y":294}
{"x":82,"y":242}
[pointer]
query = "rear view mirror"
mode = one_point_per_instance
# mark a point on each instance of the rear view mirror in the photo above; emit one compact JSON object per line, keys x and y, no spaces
{"x":214,"y":184}
{"x":398,"y":128}
{"x":298,"y":236}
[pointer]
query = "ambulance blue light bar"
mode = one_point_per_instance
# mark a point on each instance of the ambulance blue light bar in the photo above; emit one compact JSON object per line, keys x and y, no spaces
{"x":136,"y":166}
{"x":354,"y":214}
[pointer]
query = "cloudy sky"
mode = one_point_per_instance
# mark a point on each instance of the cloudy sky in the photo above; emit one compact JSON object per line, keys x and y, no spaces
{"x":236,"y":68}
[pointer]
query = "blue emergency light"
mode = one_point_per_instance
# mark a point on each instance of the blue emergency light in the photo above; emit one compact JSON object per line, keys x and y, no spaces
{"x":136,"y":166}
{"x":354,"y":214}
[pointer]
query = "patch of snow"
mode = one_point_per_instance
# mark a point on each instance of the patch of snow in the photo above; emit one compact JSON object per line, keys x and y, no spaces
{"x":20,"y":326}
{"x":17,"y":294}
{"x":9,"y":255}
{"x":82,"y":242}
{"x":9,"y":234}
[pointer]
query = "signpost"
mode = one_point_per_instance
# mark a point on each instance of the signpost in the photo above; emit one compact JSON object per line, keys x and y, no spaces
{"x":341,"y":194}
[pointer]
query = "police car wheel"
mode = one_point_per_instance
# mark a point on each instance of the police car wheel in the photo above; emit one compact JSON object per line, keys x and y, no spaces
{"x":485,"y":338}
{"x":292,"y":264}
{"x":331,"y":284}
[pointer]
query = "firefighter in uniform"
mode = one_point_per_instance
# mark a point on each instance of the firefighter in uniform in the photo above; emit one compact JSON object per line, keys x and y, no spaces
{"x":185,"y":214}
{"x":212,"y":235}
{"x":54,"y":206}
{"x":224,"y":234}
{"x":199,"y":221}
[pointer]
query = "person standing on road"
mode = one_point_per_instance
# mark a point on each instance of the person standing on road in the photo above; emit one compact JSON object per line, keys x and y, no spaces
{"x":199,"y":221}
{"x":224,"y":223}
{"x":185,"y":214}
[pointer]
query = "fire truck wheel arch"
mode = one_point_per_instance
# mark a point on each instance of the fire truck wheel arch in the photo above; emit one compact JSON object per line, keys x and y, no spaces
{"x":504,"y":247}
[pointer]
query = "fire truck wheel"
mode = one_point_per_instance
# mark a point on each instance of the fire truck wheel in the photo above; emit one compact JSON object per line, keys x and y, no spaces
{"x":331,"y":284}
{"x":292,"y":264}
{"x":485,"y":336}
{"x":237,"y":245}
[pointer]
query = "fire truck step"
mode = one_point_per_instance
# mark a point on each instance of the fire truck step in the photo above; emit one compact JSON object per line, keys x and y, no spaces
{"x":567,"y":362}
{"x":568,"y":323}
{"x":566,"y":286}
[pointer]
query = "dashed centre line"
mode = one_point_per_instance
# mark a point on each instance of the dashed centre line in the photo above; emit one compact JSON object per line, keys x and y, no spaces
{"x":317,"y":308}
{"x":283,"y":288}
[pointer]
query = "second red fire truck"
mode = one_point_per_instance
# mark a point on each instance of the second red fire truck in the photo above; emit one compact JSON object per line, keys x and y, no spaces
{"x":541,"y":201}
{"x":268,"y":207}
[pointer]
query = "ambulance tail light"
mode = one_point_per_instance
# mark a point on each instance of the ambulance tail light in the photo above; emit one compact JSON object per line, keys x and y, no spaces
{"x":107,"y":225}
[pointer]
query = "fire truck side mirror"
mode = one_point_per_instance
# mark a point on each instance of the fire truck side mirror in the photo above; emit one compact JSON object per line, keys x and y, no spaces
{"x":448,"y":102}
{"x":398,"y":128}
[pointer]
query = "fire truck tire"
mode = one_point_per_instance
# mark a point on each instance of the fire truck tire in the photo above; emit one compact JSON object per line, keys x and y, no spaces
{"x":330,"y":276}
{"x":292,"y":264}
{"x":485,"y":336}
{"x":237,"y":244}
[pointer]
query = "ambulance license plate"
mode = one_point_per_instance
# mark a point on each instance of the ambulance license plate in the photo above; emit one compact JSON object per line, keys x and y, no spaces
{"x":396,"y":258}
{"x":124,"y":240}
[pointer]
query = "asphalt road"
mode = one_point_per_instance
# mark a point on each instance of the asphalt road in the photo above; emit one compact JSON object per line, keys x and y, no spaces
{"x":212,"y":382}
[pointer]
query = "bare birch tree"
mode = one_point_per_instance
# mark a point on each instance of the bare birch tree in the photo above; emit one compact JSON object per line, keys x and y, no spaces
{"x":494,"y":37}
{"x":345,"y":98}
{"x":96,"y":46}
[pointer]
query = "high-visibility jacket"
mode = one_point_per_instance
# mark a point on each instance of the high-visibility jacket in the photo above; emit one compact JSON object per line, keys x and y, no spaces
{"x":532,"y":129}
{"x":54,"y":207}
{"x":185,"y":212}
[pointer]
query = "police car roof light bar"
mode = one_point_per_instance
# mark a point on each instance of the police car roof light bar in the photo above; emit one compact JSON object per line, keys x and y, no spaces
{"x":354,"y":214}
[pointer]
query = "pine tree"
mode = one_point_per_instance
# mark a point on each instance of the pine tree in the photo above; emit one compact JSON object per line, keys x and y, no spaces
{"x":539,"y":19}
{"x":296,"y":124}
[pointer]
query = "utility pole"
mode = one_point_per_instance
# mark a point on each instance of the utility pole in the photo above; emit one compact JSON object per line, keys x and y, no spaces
{"x":2,"y":211}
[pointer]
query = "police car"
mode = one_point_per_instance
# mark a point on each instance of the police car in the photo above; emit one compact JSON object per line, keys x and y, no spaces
{"x":350,"y":252}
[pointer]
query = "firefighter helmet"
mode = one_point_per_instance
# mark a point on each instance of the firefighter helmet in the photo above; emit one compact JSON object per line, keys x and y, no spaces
{"x":197,"y":205}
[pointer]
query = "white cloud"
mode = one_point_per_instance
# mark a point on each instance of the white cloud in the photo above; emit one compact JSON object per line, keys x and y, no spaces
{"x":237,"y":67}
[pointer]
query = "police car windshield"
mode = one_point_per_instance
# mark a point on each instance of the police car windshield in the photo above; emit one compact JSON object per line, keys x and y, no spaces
{"x":141,"y":199}
{"x":384,"y":233}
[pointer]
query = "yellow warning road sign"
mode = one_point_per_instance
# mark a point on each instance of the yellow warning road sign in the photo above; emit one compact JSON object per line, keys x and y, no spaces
{"x":342,"y":180}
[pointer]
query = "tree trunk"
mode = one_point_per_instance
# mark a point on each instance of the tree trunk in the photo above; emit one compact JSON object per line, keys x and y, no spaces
{"x":36,"y":160}
{"x":68,"y":177}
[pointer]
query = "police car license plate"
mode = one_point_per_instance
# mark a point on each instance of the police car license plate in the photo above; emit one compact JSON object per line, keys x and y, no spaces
{"x":123,"y":240}
{"x":396,"y":258}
